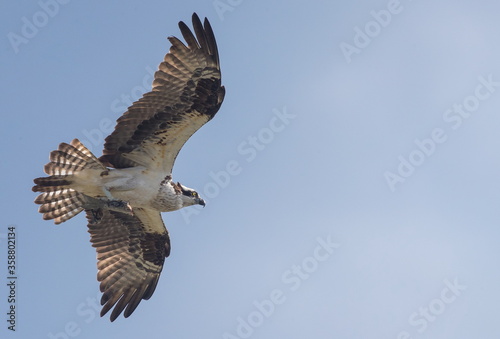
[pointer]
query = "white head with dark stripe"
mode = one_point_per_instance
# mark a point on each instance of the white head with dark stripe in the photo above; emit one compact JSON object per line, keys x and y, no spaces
{"x":188,"y":195}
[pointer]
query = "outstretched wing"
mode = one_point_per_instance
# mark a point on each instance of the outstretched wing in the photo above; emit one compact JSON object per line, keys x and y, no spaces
{"x":131,"y":250}
{"x":186,"y":94}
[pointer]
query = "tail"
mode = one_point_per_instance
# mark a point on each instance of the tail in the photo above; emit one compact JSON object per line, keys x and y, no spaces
{"x":59,"y":201}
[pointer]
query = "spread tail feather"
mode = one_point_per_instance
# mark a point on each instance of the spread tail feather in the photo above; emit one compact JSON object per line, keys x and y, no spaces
{"x":59,"y":201}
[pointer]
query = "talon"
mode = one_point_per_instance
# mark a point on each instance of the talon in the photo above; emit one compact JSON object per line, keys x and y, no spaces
{"x":119,"y":206}
{"x":96,"y":215}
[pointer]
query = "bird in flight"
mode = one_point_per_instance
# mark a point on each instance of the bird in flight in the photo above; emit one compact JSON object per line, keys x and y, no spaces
{"x":124,"y":190}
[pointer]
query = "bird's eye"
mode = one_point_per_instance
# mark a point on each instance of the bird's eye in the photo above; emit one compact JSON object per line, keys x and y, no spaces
{"x":194,"y":194}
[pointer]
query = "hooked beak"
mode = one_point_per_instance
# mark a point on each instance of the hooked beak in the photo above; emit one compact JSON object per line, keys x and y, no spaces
{"x":201,"y":202}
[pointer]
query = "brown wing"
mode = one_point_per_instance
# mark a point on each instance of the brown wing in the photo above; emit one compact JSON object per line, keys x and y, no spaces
{"x":186,"y":94}
{"x":131,"y":250}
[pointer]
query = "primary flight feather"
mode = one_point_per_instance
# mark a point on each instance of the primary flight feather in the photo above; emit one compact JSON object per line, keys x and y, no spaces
{"x":124,"y":191}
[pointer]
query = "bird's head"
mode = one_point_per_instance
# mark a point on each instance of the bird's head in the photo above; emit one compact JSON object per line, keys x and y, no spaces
{"x":189,"y":196}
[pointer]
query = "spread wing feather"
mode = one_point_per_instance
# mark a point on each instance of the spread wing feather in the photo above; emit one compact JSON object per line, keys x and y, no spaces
{"x":186,"y":94}
{"x":131,"y":250}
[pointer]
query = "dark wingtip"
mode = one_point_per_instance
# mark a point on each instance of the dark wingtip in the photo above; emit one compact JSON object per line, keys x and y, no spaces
{"x":211,"y":40}
{"x":195,"y":17}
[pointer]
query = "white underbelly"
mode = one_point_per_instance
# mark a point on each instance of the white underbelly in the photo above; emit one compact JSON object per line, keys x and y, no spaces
{"x":133,"y":185}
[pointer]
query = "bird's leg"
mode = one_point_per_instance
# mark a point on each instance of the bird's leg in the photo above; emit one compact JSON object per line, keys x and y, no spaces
{"x":117,"y":205}
{"x":108,"y":193}
{"x":96,"y":215}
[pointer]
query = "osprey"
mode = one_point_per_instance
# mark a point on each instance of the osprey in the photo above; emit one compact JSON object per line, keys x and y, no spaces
{"x":124,"y":191}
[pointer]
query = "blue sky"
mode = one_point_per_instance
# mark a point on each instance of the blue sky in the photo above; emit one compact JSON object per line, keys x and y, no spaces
{"x":352,"y":173}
